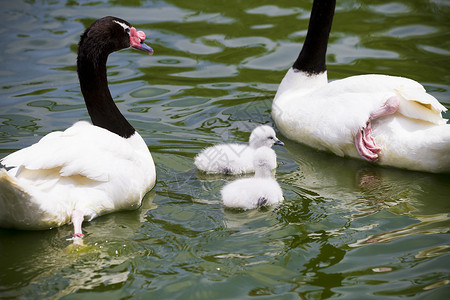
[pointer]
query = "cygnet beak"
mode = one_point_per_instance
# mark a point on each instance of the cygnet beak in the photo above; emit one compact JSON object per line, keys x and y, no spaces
{"x":279,"y":143}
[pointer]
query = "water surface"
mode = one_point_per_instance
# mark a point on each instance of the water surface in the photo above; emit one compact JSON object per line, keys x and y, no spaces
{"x":346,"y":230}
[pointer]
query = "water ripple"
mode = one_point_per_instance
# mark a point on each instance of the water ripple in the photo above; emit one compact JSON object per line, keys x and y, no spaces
{"x":347,"y":229}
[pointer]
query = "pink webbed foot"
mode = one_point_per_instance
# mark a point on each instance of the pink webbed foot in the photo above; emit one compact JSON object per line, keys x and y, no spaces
{"x":365,"y":144}
{"x":364,"y":140}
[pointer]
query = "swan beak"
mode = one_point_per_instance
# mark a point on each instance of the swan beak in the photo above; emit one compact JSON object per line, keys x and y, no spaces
{"x":279,"y":143}
{"x":144,"y":47}
{"x":137,"y":39}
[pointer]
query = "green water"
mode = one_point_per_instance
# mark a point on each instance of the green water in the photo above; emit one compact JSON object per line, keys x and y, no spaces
{"x":346,"y":230}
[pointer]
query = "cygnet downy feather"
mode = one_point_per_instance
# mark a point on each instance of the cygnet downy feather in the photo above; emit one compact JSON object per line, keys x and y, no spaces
{"x":260,"y":190}
{"x":237,"y":158}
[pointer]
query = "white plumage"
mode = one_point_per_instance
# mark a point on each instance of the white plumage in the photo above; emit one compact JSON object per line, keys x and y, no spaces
{"x":236,"y":158}
{"x":261,"y":190}
{"x":86,"y":170}
{"x":387,"y":119}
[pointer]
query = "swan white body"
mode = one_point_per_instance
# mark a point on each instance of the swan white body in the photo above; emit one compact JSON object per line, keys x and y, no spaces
{"x":84,"y":168}
{"x":328,"y":115}
{"x":236,"y":158}
{"x":261,"y":190}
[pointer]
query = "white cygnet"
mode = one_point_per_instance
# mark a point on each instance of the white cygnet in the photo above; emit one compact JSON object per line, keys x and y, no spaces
{"x":261,"y":190}
{"x":237,"y":158}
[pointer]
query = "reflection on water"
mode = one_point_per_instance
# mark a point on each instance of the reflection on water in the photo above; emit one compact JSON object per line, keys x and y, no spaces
{"x":347,"y":229}
{"x":439,"y":224}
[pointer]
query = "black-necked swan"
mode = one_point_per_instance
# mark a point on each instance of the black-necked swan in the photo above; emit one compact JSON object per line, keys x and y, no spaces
{"x":236,"y":158}
{"x":86,"y":170}
{"x":260,"y":190}
{"x":385,"y":119}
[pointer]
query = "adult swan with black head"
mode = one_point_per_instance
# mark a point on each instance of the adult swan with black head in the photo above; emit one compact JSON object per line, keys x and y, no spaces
{"x":385,"y":119}
{"x":86,"y":170}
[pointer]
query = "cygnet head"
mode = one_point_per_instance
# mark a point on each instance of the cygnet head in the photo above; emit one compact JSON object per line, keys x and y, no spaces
{"x":264,"y":135}
{"x":264,"y":161}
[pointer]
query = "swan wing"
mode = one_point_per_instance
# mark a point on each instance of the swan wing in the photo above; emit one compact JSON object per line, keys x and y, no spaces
{"x":417,"y":104}
{"x":421,"y":105}
{"x":82,"y":149}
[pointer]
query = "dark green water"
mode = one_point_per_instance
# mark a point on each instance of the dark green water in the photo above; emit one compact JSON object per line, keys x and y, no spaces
{"x":346,"y":230}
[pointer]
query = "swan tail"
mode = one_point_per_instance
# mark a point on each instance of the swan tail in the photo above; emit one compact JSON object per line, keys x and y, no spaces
{"x":422,"y":106}
{"x":13,"y":201}
{"x":19,"y":209}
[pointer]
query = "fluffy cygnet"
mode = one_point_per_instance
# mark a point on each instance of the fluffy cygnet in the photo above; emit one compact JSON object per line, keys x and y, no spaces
{"x":261,"y":190}
{"x":237,"y":158}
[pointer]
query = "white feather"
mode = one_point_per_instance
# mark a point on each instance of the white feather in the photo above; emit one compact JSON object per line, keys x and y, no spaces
{"x":327,"y":116}
{"x":247,"y":193}
{"x":236,"y":158}
{"x":85,"y":168}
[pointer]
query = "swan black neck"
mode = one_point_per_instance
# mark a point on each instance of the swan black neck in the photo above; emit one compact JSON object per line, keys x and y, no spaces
{"x":93,"y":51}
{"x":312,"y":58}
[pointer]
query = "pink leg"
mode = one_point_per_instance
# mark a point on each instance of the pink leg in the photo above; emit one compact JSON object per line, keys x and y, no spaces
{"x":364,"y":141}
{"x":390,"y":106}
{"x":77,"y":220}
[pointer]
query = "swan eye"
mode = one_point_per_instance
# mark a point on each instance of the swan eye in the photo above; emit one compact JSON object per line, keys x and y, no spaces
{"x":125,"y":27}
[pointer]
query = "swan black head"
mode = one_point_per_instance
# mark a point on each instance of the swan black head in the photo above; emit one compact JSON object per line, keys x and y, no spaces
{"x":110,"y":34}
{"x":103,"y":37}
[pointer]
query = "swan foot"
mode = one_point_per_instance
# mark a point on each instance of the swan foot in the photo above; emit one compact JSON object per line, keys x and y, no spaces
{"x":365,"y":144}
{"x":77,"y":220}
{"x":77,"y":240}
{"x":364,"y":140}
{"x":261,"y":202}
{"x":227,"y":171}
